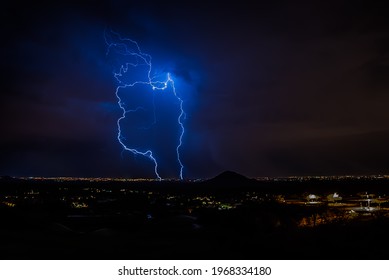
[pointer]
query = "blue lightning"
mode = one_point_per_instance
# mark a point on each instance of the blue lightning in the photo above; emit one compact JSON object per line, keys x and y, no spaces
{"x":130,"y":48}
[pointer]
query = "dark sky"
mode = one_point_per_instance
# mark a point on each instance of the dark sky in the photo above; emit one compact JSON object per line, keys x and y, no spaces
{"x":272,"y":89}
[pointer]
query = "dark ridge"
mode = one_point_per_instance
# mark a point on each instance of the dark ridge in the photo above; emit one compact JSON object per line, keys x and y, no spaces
{"x":229,"y":177}
{"x":229,"y":181}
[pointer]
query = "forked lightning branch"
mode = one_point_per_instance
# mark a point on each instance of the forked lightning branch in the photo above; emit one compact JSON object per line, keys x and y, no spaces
{"x":138,"y":61}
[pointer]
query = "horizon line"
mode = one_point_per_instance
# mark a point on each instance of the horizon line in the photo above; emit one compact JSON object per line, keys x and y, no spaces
{"x":377,"y":176}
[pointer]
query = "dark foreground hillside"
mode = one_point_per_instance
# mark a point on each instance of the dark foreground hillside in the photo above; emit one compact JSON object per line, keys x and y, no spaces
{"x":230,"y":235}
{"x":62,"y":220}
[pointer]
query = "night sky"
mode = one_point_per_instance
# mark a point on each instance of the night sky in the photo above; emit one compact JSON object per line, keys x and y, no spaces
{"x":278,"y":88}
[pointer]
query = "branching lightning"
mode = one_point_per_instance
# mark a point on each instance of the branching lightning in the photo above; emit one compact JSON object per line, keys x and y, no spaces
{"x":131,"y":49}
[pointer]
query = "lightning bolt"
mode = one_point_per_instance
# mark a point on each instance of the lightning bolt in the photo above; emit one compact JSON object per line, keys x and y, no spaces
{"x":131,"y":49}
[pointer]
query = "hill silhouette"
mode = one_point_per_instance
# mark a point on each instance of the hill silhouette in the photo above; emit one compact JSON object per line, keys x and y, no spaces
{"x":229,"y":180}
{"x":229,"y":177}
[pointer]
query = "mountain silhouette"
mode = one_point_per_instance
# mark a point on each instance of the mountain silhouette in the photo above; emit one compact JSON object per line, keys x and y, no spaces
{"x":230,"y":179}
